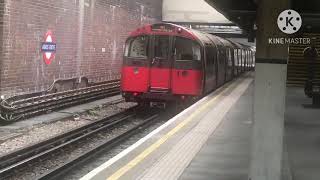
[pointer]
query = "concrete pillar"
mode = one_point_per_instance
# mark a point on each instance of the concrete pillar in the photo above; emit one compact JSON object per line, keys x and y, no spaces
{"x":269,"y":94}
{"x":80,"y":36}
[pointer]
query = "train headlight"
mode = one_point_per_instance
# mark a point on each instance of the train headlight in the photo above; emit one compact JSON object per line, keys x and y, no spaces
{"x":136,"y":70}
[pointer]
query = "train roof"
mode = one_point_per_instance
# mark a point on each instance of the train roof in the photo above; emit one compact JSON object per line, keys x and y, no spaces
{"x":169,"y":29}
{"x":238,"y":45}
{"x":164,"y":29}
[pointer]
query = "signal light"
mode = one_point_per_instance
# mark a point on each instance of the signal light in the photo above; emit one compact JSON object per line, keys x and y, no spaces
{"x":135,"y":94}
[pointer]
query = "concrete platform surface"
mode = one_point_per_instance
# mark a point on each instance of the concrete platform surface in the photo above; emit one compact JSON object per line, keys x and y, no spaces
{"x":225,"y":156}
{"x":218,"y":126}
{"x":302,"y":135}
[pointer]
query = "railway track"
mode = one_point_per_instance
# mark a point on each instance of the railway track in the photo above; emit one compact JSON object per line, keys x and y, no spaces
{"x":14,"y":109}
{"x":31,"y":156}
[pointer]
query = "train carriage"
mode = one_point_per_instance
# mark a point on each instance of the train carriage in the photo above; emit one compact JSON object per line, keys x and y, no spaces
{"x":167,"y":62}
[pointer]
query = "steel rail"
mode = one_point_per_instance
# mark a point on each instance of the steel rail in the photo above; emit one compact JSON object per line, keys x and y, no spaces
{"x":11,"y":111}
{"x":20,"y":159}
{"x":107,"y":145}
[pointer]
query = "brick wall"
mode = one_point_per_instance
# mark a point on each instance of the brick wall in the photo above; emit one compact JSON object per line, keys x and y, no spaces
{"x":90,"y":36}
{"x":1,"y":32}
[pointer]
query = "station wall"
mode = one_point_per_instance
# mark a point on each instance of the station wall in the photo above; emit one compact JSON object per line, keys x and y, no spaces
{"x":89,"y":37}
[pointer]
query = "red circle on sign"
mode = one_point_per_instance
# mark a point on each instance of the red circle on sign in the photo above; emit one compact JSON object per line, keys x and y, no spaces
{"x":49,"y":56}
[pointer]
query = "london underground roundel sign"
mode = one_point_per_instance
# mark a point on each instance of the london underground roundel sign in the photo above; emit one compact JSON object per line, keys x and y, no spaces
{"x":48,"y":48}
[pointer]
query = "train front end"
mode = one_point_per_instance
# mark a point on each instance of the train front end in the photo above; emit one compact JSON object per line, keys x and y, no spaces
{"x":162,"y":62}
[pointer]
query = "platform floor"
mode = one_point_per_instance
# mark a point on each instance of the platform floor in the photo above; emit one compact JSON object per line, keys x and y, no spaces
{"x":210,"y":140}
{"x":225,"y":156}
{"x":302,"y":135}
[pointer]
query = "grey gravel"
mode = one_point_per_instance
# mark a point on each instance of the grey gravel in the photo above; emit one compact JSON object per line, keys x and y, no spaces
{"x":74,"y":151}
{"x":81,"y":171}
{"x":43,"y":132}
{"x":36,"y":170}
{"x":38,"y":134}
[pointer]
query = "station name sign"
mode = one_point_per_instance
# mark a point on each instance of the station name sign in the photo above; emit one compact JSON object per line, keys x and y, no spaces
{"x":48,"y":47}
{"x":289,"y":41}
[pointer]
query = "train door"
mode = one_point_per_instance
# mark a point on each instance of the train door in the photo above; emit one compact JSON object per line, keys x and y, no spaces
{"x":135,"y":71}
{"x":161,"y":64}
{"x":187,"y":77}
{"x":210,"y":68}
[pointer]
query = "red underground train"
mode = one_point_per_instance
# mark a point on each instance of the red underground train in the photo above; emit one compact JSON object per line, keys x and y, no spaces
{"x":166,"y":62}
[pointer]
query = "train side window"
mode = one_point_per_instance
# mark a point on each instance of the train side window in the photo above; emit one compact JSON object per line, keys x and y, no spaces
{"x":229,"y":57}
{"x":161,"y":47}
{"x":235,"y":55}
{"x":187,"y":49}
{"x":243,"y":57}
{"x":240,"y":57}
{"x":196,"y":48}
{"x":222,"y":58}
{"x":126,"y":48}
{"x":137,"y":47}
{"x":248,"y":57}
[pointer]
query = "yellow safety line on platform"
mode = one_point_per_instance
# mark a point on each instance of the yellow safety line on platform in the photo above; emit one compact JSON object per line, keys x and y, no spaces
{"x":157,"y":144}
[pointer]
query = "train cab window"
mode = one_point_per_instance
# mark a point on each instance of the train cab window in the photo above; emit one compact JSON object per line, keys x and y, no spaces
{"x":187,"y":49}
{"x":137,"y":47}
{"x":161,"y":47}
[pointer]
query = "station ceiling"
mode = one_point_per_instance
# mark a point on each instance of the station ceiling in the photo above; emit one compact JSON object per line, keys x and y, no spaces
{"x":243,"y":12}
